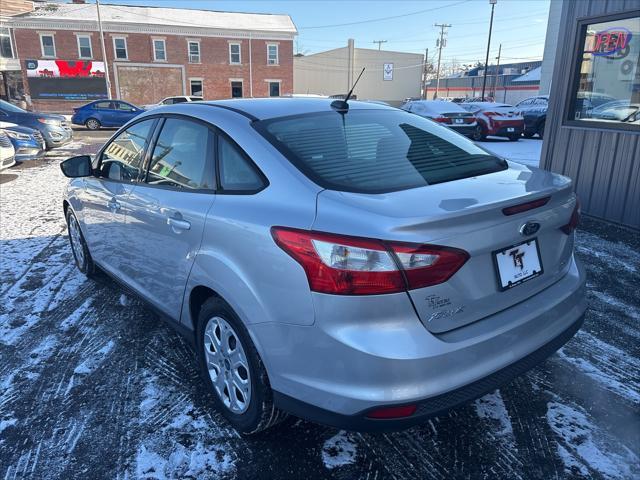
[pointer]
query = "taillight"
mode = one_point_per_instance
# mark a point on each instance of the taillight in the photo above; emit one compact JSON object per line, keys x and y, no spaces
{"x":393,"y":412}
{"x":574,"y":221}
{"x":523,"y":207}
{"x":345,"y":265}
{"x":441,"y":119}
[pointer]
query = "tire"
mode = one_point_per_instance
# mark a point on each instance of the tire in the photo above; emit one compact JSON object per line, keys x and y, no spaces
{"x":540,"y":131}
{"x":79,"y":248}
{"x":219,"y":326}
{"x":528,"y":134}
{"x":514,"y":138}
{"x":478,"y":134}
{"x":92,"y":124}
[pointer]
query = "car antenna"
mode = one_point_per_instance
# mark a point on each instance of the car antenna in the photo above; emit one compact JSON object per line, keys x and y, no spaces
{"x":341,"y":105}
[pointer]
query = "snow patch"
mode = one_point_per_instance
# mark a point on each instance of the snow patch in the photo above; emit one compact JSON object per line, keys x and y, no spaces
{"x":92,"y":363}
{"x":583,"y":442}
{"x":339,"y":450}
{"x":492,"y":407}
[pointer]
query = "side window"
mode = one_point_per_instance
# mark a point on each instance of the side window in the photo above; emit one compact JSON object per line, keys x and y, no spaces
{"x":124,"y":107}
{"x":168,"y":101}
{"x":182,"y":156}
{"x":103,"y":105}
{"x":237,"y":173}
{"x":123,"y":157}
{"x":179,"y":100}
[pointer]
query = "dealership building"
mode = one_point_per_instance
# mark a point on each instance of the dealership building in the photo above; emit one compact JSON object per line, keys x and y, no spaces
{"x":151,"y":53}
{"x":592,"y":129}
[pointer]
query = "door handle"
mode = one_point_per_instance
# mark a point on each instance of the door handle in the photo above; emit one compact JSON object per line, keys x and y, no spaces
{"x":113,"y":205}
{"x":178,"y":224}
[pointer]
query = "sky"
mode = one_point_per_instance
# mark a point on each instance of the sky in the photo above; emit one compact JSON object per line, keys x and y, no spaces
{"x":520,"y":25}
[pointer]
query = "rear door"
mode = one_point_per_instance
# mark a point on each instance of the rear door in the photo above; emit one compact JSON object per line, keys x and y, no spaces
{"x":124,"y":112}
{"x":168,"y":211}
{"x":118,"y":168}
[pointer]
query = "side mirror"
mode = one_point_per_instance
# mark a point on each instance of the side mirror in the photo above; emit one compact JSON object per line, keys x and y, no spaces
{"x":76,"y":167}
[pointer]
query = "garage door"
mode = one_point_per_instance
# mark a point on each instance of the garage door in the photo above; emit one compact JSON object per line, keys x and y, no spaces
{"x":142,"y":85}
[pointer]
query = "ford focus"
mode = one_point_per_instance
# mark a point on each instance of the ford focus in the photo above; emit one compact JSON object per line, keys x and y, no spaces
{"x":348,"y":263}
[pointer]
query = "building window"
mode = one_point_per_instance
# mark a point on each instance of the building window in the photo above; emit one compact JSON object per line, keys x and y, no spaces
{"x":236,"y":89}
{"x":234,"y":54}
{"x":48,"y":45}
{"x":195,"y":87}
{"x":120,"y":47}
{"x":607,"y":80}
{"x":84,"y":46}
{"x":159,"y":50}
{"x":272,"y":54}
{"x":274,"y":89}
{"x":194,"y":52}
{"x":6,"y":47}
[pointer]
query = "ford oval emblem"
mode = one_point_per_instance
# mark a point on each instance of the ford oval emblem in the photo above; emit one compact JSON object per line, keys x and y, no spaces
{"x":529,"y":228}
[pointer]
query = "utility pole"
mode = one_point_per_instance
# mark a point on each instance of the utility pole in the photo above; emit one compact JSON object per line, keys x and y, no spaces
{"x":425,"y":70}
{"x":104,"y":53}
{"x":379,"y":42}
{"x":495,"y":81}
{"x":486,"y":61}
{"x":441,"y":43}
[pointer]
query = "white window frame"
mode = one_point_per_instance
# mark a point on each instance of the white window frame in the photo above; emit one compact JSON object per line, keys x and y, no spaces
{"x":53,"y":37}
{"x":236,"y":80}
{"x":164,"y":49}
{"x":13,"y":50}
{"x":239,"y":62}
{"x":126,"y":49}
{"x":269,"y":82}
{"x":277,"y":62}
{"x":196,"y":79}
{"x":88,"y":37}
{"x":197,"y":42}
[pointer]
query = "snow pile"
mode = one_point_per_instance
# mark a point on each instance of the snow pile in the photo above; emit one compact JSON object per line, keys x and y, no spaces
{"x":339,"y":450}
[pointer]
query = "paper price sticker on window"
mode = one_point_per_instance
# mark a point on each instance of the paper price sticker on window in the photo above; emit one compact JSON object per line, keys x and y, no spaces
{"x":387,"y":71}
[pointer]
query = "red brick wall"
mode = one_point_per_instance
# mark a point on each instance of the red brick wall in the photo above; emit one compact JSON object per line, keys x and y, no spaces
{"x":214,"y":68}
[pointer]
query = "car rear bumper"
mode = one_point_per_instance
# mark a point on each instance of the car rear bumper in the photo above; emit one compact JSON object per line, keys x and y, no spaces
{"x":467,"y":129}
{"x":344,"y":366}
{"x":432,"y":406}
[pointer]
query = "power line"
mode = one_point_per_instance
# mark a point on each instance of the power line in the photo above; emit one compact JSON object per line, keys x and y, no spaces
{"x":380,"y":19}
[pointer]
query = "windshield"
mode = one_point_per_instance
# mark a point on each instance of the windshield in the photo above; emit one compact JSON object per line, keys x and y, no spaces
{"x":8,"y":107}
{"x":376,"y":151}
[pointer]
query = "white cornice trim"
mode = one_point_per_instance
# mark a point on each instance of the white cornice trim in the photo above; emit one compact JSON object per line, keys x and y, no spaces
{"x":113,"y":27}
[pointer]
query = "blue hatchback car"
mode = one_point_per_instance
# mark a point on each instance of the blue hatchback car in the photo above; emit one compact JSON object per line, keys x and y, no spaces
{"x":104,"y":113}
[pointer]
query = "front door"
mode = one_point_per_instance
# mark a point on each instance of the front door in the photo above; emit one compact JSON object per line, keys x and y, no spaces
{"x":168,"y":212}
{"x":119,"y":167}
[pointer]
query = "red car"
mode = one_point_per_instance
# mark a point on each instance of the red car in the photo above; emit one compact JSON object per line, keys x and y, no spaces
{"x":496,"y":119}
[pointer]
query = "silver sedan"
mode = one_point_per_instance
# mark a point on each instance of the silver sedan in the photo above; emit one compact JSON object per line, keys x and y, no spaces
{"x":348,"y":263}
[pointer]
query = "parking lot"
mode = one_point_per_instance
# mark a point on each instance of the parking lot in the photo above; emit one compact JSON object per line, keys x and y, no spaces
{"x":93,"y":385}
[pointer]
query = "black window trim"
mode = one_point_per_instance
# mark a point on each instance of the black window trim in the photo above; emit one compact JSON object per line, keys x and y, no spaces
{"x":261,"y":127}
{"x":95,"y":167}
{"x":211,"y":162}
{"x":574,"y":77}
{"x":252,"y":165}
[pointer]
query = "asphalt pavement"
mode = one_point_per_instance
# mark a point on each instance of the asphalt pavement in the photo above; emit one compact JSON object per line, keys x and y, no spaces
{"x":93,"y":385}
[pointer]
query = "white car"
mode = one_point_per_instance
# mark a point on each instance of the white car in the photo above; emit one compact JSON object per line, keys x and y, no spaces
{"x":7,"y":152}
{"x":173,"y":101}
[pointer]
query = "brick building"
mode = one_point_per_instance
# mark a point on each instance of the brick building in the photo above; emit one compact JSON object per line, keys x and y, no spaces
{"x":151,"y":53}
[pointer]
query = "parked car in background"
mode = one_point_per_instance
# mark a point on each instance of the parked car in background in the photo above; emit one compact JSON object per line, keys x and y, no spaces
{"x":104,"y":113}
{"x":534,"y":112}
{"x":496,"y":119}
{"x":27,"y":142}
{"x":420,"y":271}
{"x":173,"y":101}
{"x":54,"y":128}
{"x":447,"y":113}
{"x":7,"y":152}
{"x":617,"y":110}
{"x":588,"y":101}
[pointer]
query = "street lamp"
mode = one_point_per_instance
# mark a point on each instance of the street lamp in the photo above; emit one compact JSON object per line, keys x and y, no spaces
{"x":486,"y":61}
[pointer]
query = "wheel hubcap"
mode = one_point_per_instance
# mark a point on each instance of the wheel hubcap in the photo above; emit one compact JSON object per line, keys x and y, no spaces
{"x":76,"y":240}
{"x":93,"y":124}
{"x":227,"y":364}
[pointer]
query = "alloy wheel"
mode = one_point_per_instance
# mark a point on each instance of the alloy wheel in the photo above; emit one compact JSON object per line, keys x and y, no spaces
{"x":227,"y":364}
{"x":93,"y":124}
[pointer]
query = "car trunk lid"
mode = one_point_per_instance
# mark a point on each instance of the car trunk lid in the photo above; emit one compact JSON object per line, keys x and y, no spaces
{"x":465,"y":214}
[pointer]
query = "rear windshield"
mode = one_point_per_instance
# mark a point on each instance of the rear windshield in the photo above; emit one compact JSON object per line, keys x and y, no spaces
{"x":376,"y":151}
